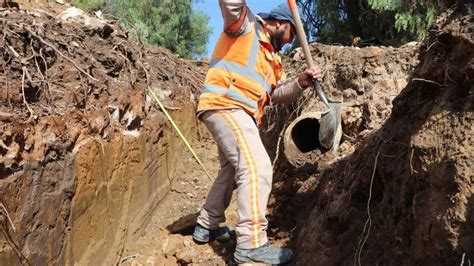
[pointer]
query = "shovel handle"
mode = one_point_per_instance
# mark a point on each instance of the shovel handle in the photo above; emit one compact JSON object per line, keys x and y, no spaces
{"x":304,"y":45}
{"x":300,"y":32}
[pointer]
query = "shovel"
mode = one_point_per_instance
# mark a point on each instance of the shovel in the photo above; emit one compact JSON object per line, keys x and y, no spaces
{"x":330,"y":130}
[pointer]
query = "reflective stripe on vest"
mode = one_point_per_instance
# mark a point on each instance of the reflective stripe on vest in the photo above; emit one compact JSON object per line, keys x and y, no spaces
{"x":242,"y":70}
{"x":231,"y":93}
{"x":248,"y":71}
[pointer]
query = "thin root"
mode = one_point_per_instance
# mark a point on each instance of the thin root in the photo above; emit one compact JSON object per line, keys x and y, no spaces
{"x":368,"y":223}
{"x":4,"y":212}
{"x":23,"y":91}
{"x":60,"y":53}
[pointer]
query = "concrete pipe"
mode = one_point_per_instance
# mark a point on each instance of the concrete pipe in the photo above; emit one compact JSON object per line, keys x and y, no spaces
{"x":301,"y":141}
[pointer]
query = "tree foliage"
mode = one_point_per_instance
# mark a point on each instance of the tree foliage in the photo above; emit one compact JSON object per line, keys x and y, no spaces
{"x":414,"y":16}
{"x":325,"y":20}
{"x":169,"y":23}
{"x":389,"y":21}
{"x":88,"y":5}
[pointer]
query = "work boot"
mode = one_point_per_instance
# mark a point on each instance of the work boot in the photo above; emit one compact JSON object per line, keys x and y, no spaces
{"x":203,"y":235}
{"x":265,"y":254}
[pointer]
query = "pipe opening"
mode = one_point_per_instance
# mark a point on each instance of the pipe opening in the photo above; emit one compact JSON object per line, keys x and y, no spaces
{"x":305,"y":135}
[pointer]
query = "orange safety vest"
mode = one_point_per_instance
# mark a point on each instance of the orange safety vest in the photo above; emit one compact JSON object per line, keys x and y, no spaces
{"x":242,"y":74}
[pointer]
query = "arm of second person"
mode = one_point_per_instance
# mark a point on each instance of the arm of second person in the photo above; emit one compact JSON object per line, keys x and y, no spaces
{"x":235,"y":15}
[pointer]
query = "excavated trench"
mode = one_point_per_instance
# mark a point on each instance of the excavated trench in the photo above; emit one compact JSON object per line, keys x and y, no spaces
{"x":85,"y":160}
{"x":118,"y":185}
{"x":92,"y":173}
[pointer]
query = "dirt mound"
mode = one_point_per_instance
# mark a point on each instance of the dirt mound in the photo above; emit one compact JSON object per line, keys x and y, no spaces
{"x":367,"y":80}
{"x":404,"y":196}
{"x":80,"y":140}
{"x":95,"y":74}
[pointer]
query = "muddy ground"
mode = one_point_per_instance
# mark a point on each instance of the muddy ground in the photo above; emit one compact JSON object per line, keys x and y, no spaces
{"x":91,"y":171}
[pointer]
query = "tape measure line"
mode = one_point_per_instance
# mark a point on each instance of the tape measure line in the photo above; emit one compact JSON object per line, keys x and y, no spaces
{"x":162,"y":107}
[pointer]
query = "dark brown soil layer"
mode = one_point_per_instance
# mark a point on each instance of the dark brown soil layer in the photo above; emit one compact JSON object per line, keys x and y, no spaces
{"x":85,"y":157}
{"x":404,"y":196}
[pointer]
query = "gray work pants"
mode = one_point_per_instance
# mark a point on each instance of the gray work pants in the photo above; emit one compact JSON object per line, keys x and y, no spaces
{"x":244,"y":163}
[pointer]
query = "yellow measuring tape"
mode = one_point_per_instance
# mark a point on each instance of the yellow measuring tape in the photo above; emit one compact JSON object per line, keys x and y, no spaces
{"x":152,"y":93}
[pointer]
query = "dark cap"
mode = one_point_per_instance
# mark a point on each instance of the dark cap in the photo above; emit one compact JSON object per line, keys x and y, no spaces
{"x":281,"y":12}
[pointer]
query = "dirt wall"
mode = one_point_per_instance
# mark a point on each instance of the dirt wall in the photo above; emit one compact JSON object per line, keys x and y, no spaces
{"x":85,"y":157}
{"x":366,"y":80}
{"x":87,"y":206}
{"x":404,"y":196}
{"x":399,"y":190}
{"x":118,"y":188}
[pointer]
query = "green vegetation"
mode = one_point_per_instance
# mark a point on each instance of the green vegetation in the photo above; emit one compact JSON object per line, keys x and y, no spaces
{"x":88,"y":5}
{"x":391,"y":22}
{"x":169,"y":23}
{"x":413,"y":16}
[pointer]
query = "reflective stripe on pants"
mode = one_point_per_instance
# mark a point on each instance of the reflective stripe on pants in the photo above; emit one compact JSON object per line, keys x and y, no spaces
{"x":245,"y":163}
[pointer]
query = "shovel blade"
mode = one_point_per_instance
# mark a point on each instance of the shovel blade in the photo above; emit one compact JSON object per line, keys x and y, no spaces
{"x":330,"y":130}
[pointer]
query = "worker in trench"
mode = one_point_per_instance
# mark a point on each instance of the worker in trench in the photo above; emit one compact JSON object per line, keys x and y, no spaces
{"x":245,"y":75}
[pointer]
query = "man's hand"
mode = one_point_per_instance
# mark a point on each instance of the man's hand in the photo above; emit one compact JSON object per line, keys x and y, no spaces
{"x":306,"y":78}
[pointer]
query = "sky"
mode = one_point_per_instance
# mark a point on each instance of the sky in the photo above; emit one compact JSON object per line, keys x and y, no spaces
{"x":211,"y":8}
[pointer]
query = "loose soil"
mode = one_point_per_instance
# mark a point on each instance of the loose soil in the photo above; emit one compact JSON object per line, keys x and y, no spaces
{"x":404,"y":195}
{"x":91,"y":172}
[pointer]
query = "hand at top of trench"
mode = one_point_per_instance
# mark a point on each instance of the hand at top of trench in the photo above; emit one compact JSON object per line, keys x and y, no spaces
{"x":307,"y":77}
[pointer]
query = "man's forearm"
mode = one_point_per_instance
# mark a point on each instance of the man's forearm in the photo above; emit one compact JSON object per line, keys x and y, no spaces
{"x":287,"y":91}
